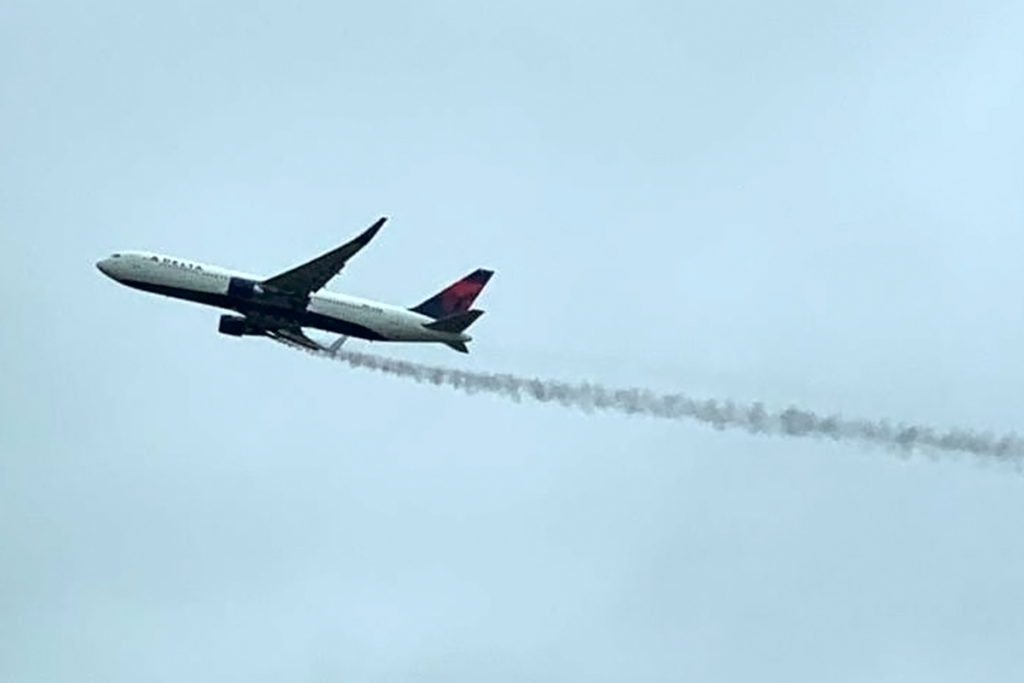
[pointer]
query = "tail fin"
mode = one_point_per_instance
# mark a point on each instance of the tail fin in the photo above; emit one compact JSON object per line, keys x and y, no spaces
{"x":455,"y":323}
{"x":458,"y":297}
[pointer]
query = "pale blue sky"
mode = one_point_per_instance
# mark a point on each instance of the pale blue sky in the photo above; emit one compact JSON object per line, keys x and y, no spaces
{"x":778,"y":201}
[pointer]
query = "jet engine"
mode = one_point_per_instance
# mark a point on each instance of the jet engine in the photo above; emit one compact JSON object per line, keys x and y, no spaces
{"x":236,"y":326}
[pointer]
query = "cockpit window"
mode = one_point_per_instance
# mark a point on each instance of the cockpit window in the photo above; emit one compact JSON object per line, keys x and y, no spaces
{"x":117,"y":256}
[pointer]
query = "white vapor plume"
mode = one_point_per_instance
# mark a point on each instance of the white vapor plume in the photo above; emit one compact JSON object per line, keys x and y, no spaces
{"x":720,"y":414}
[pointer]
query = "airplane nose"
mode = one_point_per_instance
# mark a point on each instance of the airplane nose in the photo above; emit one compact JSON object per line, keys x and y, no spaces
{"x":103,"y":266}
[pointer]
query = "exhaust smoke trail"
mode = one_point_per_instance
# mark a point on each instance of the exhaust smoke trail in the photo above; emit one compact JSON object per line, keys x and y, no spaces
{"x":753,"y":418}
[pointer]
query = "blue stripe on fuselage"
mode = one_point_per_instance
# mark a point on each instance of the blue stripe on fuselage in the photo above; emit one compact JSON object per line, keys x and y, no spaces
{"x":301,"y":318}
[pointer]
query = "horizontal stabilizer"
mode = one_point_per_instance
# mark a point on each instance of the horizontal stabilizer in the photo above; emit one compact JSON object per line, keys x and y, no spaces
{"x":455,"y":323}
{"x":458,"y":346}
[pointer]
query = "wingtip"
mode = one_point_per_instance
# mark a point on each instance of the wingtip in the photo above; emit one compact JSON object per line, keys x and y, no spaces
{"x":371,"y":231}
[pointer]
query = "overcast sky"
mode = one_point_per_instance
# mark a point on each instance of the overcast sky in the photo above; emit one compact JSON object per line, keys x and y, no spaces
{"x":788,"y":201}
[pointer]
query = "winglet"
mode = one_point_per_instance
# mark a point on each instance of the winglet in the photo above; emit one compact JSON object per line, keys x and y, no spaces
{"x":371,"y":231}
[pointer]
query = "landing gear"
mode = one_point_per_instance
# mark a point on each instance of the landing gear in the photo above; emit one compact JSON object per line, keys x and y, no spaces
{"x":333,"y":348}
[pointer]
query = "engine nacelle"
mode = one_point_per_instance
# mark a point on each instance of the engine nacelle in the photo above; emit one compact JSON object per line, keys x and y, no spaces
{"x":235,"y":326}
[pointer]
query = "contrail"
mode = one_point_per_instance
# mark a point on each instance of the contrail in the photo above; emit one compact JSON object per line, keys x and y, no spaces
{"x":725,"y":414}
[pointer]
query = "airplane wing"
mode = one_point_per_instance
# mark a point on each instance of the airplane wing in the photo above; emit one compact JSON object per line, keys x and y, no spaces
{"x":293,"y":335}
{"x":312,"y":275}
{"x":279,"y":329}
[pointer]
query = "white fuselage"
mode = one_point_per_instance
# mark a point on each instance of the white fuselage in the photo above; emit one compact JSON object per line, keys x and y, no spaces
{"x":215,"y":286}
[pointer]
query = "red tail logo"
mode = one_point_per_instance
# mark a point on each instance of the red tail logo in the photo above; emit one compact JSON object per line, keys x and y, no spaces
{"x":457,"y":297}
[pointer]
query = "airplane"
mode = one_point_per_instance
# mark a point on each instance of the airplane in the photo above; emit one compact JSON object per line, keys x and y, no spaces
{"x":279,"y":306}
